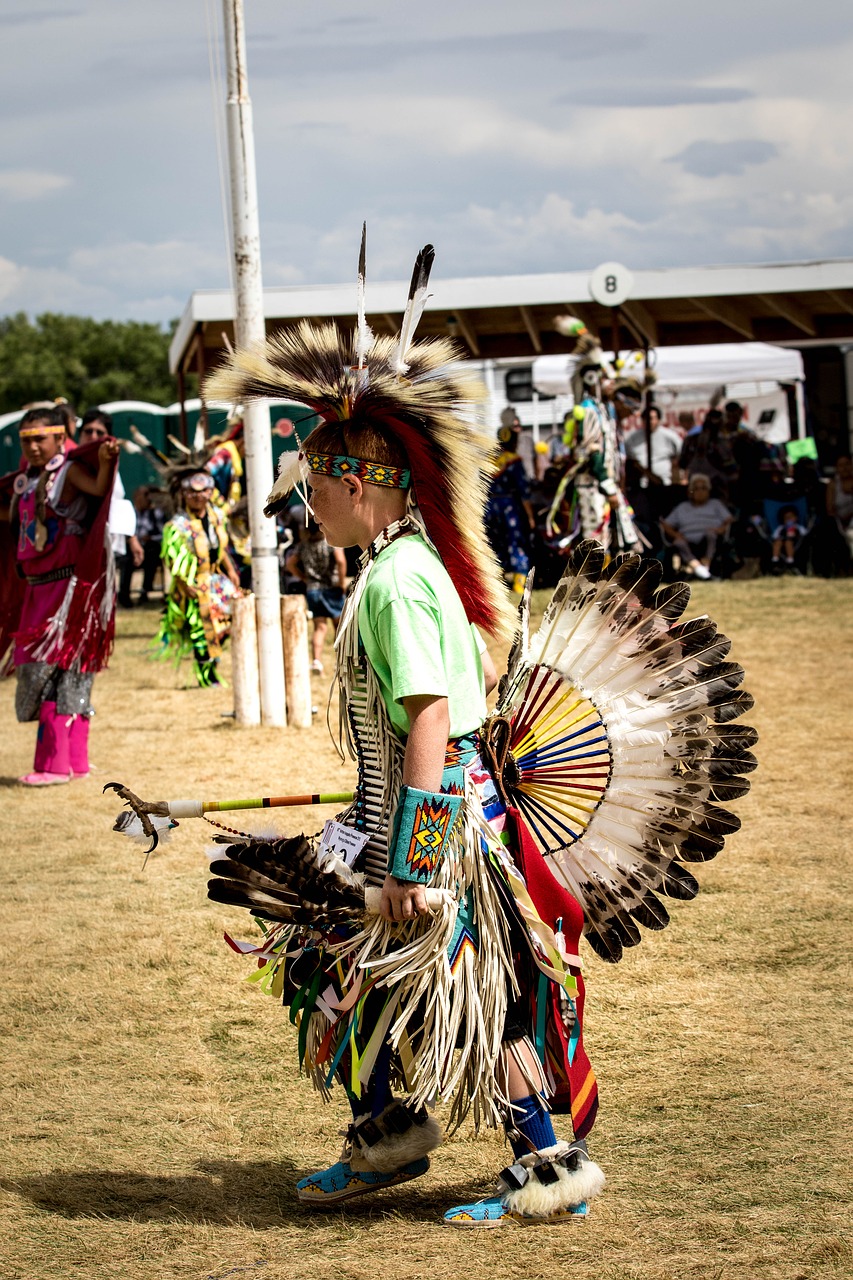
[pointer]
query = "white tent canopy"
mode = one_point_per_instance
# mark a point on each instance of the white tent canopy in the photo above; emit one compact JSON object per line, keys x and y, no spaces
{"x":681,"y":367}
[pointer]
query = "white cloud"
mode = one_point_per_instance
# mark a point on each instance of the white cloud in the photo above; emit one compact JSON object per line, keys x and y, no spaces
{"x":491,"y":130}
{"x":139,"y":266}
{"x":129,"y":280}
{"x":10,"y":279}
{"x":30,"y":184}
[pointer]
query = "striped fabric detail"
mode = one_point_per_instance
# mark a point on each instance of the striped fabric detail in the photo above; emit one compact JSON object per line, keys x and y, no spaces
{"x":371,"y":789}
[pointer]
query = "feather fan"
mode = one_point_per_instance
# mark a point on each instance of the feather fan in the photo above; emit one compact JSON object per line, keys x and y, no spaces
{"x":284,"y":880}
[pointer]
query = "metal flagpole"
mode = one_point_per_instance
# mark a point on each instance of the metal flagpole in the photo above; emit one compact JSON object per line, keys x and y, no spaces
{"x":250,"y":328}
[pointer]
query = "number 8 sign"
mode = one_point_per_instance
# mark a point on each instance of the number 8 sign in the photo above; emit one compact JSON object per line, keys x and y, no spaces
{"x":610,"y":284}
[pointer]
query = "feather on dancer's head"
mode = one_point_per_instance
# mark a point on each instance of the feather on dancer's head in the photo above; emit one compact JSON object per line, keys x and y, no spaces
{"x":394,"y":413}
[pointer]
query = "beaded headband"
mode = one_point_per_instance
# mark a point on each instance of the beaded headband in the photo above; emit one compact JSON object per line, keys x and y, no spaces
{"x":40,"y":429}
{"x":338,"y":464}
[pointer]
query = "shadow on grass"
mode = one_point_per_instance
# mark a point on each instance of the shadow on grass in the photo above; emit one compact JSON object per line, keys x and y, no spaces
{"x":225,"y":1192}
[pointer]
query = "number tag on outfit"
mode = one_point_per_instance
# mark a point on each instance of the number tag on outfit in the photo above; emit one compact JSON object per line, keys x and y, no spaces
{"x":346,"y":842}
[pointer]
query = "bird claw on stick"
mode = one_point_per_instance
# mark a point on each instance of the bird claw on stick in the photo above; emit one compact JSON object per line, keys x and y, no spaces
{"x":142,"y":819}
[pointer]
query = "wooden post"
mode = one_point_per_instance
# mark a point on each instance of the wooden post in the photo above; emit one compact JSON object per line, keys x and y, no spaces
{"x":249,"y":329}
{"x":244,"y":661}
{"x":297,"y":670}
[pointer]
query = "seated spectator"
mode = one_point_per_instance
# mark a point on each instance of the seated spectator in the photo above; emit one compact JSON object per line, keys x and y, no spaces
{"x":787,"y":537}
{"x":694,"y":527}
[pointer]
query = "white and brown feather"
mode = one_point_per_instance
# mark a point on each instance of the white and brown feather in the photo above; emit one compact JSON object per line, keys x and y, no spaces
{"x":668,"y":698}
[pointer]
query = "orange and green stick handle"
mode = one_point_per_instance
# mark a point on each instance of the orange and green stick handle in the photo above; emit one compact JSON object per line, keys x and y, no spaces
{"x":197,"y":808}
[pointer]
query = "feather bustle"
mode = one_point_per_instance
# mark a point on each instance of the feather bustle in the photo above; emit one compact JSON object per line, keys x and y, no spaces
{"x":666,"y":695}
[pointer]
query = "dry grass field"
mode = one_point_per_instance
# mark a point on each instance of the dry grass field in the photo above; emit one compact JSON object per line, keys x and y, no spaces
{"x":154,"y":1123}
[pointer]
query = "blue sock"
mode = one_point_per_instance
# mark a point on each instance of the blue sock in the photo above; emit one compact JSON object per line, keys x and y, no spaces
{"x":531,"y":1119}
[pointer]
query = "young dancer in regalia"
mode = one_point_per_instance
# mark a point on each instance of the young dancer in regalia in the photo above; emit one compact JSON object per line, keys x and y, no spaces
{"x":486,"y":843}
{"x":197,"y":608}
{"x":59,"y":507}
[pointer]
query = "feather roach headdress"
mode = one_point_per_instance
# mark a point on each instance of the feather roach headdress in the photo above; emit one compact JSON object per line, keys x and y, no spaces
{"x":176,"y":473}
{"x":413,"y":393}
{"x":590,"y":365}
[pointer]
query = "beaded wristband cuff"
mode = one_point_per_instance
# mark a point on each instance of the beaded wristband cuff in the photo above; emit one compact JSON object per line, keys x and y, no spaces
{"x":422,"y":827}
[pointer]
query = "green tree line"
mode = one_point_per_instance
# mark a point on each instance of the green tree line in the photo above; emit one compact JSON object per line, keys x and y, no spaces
{"x":87,"y":361}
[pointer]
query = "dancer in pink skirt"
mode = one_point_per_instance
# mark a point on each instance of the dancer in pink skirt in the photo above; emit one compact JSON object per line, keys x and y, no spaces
{"x":64,"y":631}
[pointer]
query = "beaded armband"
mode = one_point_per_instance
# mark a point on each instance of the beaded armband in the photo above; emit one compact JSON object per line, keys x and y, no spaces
{"x":422,"y":827}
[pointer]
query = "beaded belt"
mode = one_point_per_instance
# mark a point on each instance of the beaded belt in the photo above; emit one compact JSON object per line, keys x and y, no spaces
{"x":55,"y":575}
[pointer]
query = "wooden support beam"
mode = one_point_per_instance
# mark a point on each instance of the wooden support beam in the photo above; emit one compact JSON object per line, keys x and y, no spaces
{"x":727,"y":314}
{"x":532,"y":331}
{"x":789,"y":309}
{"x":640,"y":320}
{"x":467,"y":330}
{"x":843,"y":304}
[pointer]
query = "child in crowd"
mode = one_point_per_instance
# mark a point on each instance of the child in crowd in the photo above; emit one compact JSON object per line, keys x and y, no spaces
{"x":787,"y":537}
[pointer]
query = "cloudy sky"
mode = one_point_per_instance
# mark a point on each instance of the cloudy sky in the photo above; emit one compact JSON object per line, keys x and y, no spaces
{"x":536,"y":136}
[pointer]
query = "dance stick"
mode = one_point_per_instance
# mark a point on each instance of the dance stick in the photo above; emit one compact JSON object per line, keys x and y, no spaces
{"x":154,"y":817}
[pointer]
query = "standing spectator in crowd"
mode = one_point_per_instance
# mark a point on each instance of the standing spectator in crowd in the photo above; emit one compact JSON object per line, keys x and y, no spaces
{"x":665,"y":451}
{"x":708,"y":453}
{"x":323,"y":569}
{"x":509,"y":514}
{"x":150,"y":519}
{"x":96,"y":425}
{"x":525,"y":446}
{"x":695,"y":525}
{"x":651,"y":489}
{"x":748,"y":453}
{"x":69,"y":418}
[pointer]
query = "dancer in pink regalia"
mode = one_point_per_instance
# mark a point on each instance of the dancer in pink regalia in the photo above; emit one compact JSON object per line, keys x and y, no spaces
{"x":62,"y":623}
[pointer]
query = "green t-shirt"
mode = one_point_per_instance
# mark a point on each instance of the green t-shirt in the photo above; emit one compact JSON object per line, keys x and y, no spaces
{"x":417,"y":637}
